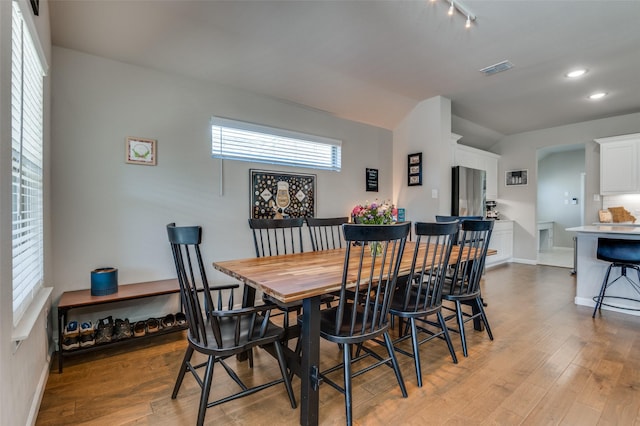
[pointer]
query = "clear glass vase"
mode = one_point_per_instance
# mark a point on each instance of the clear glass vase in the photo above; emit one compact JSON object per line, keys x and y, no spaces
{"x":376,"y":248}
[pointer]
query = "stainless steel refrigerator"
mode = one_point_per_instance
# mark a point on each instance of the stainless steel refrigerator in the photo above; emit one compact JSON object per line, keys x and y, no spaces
{"x":468,"y":194}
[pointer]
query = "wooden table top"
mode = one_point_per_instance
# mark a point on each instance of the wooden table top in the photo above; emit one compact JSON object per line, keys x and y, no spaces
{"x":293,"y":277}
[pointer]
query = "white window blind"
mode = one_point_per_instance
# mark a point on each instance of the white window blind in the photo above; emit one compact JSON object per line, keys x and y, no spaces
{"x":26,"y":153}
{"x":238,"y":140}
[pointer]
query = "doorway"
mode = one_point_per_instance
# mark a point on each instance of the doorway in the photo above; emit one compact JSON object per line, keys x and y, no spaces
{"x":560,"y":202}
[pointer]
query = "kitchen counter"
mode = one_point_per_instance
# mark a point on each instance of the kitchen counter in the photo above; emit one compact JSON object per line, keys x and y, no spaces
{"x":612,"y":228}
{"x":590,"y":270}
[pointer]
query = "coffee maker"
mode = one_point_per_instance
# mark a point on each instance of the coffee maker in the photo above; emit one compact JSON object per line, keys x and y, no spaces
{"x":492,"y":213}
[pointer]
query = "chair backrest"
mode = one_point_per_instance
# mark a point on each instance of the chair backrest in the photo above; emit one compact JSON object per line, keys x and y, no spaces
{"x":273,"y":237}
{"x":185,"y":246}
{"x":369,"y":278}
{"x":326,"y":233}
{"x":472,"y":245}
{"x":429,"y":266}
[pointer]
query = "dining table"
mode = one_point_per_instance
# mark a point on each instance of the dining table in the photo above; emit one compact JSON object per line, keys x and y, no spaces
{"x":306,"y":277}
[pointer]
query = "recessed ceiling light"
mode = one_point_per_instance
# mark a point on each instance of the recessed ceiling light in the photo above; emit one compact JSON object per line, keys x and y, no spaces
{"x":598,"y":95}
{"x":576,"y":73}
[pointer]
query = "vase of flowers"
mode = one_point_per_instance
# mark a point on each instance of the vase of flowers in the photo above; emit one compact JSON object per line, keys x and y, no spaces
{"x":374,"y":214}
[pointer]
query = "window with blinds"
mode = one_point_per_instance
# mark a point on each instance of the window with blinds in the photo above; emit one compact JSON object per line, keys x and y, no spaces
{"x":26,"y":155}
{"x":237,"y":140}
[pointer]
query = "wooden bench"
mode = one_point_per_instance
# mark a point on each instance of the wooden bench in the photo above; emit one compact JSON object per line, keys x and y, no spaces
{"x":83,"y":298}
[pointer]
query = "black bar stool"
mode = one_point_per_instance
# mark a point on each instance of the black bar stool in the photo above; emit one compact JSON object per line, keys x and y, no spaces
{"x":623,"y":254}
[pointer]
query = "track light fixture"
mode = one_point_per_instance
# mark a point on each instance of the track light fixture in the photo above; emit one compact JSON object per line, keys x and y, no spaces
{"x":456,"y":5}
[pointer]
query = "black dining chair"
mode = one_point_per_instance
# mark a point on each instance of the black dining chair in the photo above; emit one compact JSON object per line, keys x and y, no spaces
{"x":463,"y":287}
{"x":326,"y":233}
{"x":369,"y":281}
{"x":216,"y":331}
{"x":273,"y":237}
{"x":421,"y":296}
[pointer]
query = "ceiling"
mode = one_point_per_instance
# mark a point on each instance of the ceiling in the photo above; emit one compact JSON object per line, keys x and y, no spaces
{"x":373,"y":61}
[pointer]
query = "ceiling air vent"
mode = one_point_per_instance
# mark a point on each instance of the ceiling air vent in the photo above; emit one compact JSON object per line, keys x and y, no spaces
{"x":496,"y":68}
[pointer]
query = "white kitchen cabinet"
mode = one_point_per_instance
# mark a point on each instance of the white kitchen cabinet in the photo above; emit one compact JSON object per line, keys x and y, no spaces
{"x":620,"y":164}
{"x":502,"y":242}
{"x":482,"y":160}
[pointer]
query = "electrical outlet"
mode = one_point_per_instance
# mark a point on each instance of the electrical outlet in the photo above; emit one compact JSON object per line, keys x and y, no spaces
{"x":596,"y":197}
{"x":434,"y":193}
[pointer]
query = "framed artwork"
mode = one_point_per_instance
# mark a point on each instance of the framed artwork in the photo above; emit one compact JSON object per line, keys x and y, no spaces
{"x":414,"y":171}
{"x":281,"y":195}
{"x":372,"y":180}
{"x":516,"y":177}
{"x":35,"y":5}
{"x":141,"y":151}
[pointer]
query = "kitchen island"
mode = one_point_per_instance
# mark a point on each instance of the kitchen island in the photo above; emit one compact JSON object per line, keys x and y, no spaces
{"x":591,"y":270}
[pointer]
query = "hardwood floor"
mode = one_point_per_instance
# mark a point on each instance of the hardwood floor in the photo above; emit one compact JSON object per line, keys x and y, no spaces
{"x":550,"y":363}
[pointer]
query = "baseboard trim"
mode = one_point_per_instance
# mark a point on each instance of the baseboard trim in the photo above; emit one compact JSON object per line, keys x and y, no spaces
{"x":39,"y":393}
{"x":524,"y":261}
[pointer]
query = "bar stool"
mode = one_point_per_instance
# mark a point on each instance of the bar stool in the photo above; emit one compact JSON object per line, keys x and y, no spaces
{"x":623,"y":254}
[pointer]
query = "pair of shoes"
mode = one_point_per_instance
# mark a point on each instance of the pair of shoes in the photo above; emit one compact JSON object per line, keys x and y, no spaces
{"x":153,"y":325}
{"x":168,"y":321}
{"x":104,"y":330}
{"x":181,"y":319}
{"x":70,"y":336}
{"x":122,"y":329}
{"x":139,"y":329}
{"x":71,"y":329}
{"x":87,"y":334}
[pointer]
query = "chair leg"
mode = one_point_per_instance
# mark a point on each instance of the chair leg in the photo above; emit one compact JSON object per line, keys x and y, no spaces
{"x":394,"y":361}
{"x":346,"y":356}
{"x":183,"y":369}
{"x":416,"y":350}
{"x":285,"y":374}
{"x":602,"y":291}
{"x":447,"y":337}
{"x":483,"y":315}
{"x":206,"y":388}
{"x":460,"y":319}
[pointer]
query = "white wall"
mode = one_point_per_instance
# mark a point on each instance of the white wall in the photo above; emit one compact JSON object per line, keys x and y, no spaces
{"x":108,"y":213}
{"x":519,"y":152}
{"x":559,"y":174}
{"x":426,"y":129}
{"x":23,"y":370}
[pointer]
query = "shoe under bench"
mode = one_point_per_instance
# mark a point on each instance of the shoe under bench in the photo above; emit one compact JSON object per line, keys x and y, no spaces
{"x":83,"y":299}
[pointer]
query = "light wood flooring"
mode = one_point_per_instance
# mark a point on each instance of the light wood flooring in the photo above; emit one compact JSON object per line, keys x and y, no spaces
{"x":550,"y":363}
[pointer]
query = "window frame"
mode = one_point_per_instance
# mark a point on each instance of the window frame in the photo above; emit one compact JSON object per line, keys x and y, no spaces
{"x":28,"y":68}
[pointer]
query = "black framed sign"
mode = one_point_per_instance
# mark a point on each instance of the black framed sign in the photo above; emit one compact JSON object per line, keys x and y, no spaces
{"x":414,"y":171}
{"x":372,"y":180}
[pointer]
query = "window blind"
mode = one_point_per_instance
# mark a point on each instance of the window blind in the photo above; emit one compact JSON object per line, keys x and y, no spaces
{"x":26,"y":153}
{"x":238,"y":140}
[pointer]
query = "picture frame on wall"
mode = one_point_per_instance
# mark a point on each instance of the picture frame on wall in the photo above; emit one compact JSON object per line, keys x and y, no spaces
{"x":281,"y":195}
{"x":141,"y":151}
{"x":516,"y":177}
{"x":414,"y":170}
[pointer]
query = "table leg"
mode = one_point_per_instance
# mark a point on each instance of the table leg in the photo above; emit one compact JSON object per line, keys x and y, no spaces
{"x":61,"y":320}
{"x":310,"y":335}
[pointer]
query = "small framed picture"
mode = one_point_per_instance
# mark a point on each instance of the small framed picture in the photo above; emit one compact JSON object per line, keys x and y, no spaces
{"x":516,"y":177}
{"x":141,"y":151}
{"x":414,"y":171}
